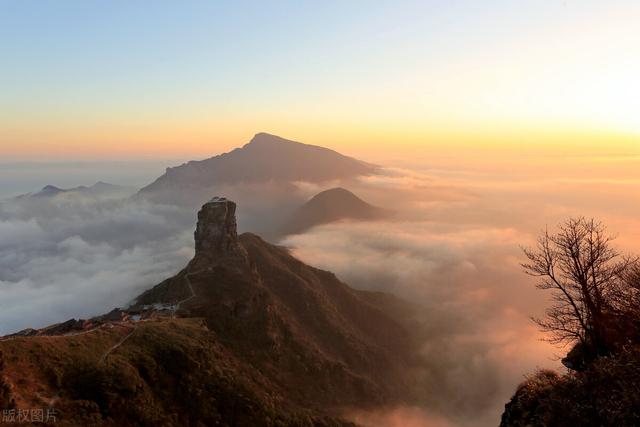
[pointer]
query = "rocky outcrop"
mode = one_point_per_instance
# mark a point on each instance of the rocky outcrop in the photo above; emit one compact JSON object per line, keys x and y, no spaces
{"x":302,"y":327}
{"x":216,"y":234}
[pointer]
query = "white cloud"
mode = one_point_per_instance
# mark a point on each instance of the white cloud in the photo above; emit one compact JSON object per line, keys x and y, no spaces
{"x":78,"y":257}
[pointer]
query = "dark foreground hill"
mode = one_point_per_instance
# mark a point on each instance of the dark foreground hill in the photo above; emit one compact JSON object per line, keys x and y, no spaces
{"x":607,"y":393}
{"x":245,"y":335}
{"x":329,"y":206}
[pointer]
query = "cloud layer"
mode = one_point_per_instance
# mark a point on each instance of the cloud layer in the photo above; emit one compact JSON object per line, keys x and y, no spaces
{"x":453,"y":247}
{"x":76,"y":256}
{"x":478,"y":340}
{"x":80,"y":254}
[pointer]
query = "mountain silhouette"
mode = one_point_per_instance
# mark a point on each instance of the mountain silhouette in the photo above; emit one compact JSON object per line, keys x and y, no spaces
{"x":265,"y":158}
{"x":98,"y":189}
{"x":329,"y":206}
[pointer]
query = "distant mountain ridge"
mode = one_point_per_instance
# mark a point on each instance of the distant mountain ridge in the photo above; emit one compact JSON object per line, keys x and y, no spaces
{"x":332,"y":205}
{"x":265,"y":158}
{"x":99,"y":188}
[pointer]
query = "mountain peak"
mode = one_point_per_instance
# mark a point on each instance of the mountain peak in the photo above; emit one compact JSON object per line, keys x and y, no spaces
{"x":264,"y":135}
{"x":50,"y":189}
{"x":216,"y":234}
{"x":332,"y":205}
{"x":266,"y":158}
{"x":101,"y":185}
{"x":267,"y":138}
{"x":335,"y":193}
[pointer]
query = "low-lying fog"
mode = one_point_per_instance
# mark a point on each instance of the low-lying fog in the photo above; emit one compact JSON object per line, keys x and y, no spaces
{"x":453,"y":246}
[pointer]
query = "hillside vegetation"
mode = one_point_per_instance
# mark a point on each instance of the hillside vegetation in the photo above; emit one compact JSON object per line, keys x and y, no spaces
{"x":596,"y":296}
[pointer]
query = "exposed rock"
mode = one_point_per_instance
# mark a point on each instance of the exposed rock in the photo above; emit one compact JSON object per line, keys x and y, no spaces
{"x":216,"y":234}
{"x":302,"y":327}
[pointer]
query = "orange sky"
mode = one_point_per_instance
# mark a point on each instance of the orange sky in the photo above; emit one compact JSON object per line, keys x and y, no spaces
{"x":372,"y":81}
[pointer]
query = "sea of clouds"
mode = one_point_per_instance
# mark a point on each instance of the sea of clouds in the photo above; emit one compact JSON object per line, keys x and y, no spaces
{"x":73,"y":256}
{"x":455,"y":247}
{"x":452,"y":246}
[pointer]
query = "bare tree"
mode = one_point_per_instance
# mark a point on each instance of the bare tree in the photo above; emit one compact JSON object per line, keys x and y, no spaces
{"x":627,"y":298}
{"x":584,"y":271}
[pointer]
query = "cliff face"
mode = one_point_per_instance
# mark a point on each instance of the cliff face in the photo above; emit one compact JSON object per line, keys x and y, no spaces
{"x":245,"y":335}
{"x":216,"y":235}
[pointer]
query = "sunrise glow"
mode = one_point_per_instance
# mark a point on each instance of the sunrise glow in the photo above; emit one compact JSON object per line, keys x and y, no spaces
{"x":361,"y":76}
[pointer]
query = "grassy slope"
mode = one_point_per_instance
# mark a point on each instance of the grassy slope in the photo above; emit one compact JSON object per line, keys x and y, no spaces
{"x":169,"y":372}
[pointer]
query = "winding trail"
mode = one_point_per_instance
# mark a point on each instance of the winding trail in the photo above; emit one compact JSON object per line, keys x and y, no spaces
{"x":193,"y":293}
{"x":177,"y":307}
{"x":51,"y":401}
{"x":118,"y":344}
{"x":106,"y":354}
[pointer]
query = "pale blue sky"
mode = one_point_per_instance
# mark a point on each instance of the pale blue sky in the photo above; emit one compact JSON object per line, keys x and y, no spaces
{"x":78,"y":74}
